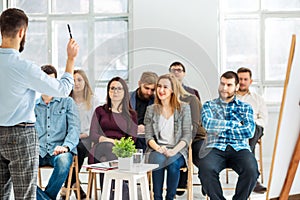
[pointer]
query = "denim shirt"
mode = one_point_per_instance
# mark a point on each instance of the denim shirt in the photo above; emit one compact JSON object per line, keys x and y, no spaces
{"x":57,"y":124}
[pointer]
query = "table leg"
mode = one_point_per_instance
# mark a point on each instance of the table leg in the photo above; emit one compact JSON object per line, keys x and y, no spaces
{"x":118,"y":189}
{"x":145,"y":187}
{"x":132,"y":185}
{"x":106,"y":187}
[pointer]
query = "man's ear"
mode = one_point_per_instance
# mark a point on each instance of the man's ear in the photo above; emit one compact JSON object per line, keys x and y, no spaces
{"x":139,"y":83}
{"x":21,"y":32}
{"x":237,"y":87}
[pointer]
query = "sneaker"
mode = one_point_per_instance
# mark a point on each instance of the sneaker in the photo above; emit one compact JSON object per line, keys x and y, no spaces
{"x":259,"y":188}
{"x":63,"y":193}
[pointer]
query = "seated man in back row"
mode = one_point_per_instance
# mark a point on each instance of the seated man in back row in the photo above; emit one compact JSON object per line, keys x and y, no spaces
{"x":260,"y":112}
{"x":58,"y":128}
{"x":229,"y":124}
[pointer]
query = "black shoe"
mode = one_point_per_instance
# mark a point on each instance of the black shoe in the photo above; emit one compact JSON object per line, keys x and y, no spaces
{"x":82,"y":194}
{"x":182,"y":182}
{"x":259,"y":188}
{"x":62,"y":197}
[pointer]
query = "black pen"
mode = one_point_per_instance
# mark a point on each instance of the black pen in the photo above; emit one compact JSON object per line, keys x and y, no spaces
{"x":69,"y":31}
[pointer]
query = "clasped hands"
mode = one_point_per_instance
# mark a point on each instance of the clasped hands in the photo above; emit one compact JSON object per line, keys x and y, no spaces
{"x":167,"y":152}
{"x":59,"y":150}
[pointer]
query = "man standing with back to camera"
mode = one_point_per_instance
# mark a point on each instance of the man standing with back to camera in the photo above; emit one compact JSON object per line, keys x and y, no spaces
{"x":20,"y":79}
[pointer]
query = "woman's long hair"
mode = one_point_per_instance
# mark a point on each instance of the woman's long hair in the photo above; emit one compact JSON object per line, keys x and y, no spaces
{"x":87,"y":91}
{"x":174,"y":101}
{"x":125,"y":103}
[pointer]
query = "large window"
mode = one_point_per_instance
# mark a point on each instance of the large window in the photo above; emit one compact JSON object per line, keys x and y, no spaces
{"x":257,"y":34}
{"x":100,"y":27}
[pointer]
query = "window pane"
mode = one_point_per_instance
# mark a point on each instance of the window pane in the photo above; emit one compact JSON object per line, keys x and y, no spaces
{"x":31,"y":6}
{"x":238,"y":5}
{"x":70,"y":6}
{"x":110,"y":6}
{"x":101,"y":94}
{"x":61,"y":38}
{"x":278,"y":40}
{"x":36,"y":48}
{"x":111,"y":50}
{"x":281,"y":5}
{"x":273,"y":94}
{"x":240,"y":46}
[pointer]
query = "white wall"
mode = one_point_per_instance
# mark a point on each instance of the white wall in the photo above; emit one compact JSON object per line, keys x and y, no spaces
{"x":177,"y":30}
{"x":187,"y":31}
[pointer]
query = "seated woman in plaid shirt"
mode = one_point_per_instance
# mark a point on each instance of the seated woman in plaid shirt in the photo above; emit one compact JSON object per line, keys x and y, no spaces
{"x":229,"y":124}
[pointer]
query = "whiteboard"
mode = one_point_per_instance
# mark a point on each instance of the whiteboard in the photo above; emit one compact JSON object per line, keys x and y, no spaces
{"x":287,"y":130}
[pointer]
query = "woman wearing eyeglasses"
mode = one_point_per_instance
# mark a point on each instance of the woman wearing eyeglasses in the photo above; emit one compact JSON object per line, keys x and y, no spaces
{"x":168,"y":134}
{"x":112,"y":121}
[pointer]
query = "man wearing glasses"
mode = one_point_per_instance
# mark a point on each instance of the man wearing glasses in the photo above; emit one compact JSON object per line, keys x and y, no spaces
{"x":142,"y":97}
{"x":178,"y":69}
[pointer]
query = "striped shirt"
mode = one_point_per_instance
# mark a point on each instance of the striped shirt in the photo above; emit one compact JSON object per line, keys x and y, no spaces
{"x":228,"y":124}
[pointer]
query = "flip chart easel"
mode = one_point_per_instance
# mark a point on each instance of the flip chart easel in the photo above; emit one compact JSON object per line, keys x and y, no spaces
{"x":286,"y":152}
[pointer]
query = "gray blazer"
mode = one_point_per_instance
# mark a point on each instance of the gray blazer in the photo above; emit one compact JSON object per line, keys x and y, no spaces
{"x":182,"y":127}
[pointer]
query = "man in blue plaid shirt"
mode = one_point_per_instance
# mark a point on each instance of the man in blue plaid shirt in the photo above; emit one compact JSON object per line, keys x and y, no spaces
{"x":229,"y":124}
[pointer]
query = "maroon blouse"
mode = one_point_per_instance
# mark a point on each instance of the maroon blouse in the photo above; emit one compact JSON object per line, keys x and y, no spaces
{"x":112,"y":125}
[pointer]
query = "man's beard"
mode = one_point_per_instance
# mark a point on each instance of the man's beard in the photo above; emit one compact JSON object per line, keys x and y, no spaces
{"x":228,"y":97}
{"x":142,"y":97}
{"x":22,"y":44}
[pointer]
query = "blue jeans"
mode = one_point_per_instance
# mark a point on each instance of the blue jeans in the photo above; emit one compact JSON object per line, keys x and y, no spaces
{"x":242,"y":162}
{"x":172,"y":165}
{"x":61,"y":165}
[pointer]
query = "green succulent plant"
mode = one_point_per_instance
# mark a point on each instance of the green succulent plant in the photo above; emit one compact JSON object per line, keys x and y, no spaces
{"x":124,"y":147}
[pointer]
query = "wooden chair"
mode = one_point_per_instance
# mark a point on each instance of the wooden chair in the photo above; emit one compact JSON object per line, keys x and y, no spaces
{"x":260,"y":163}
{"x":189,"y":169}
{"x":69,"y":188}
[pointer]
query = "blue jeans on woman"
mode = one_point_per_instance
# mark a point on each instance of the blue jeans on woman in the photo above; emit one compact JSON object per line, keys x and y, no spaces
{"x":61,"y":165}
{"x":172,"y":165}
{"x":242,"y":162}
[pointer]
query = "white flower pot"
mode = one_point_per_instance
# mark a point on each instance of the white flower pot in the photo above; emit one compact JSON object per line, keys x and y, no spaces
{"x":125,"y":163}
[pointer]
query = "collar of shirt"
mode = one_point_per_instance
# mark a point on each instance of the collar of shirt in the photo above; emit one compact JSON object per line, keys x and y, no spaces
{"x":40,"y":101}
{"x":9,"y":51}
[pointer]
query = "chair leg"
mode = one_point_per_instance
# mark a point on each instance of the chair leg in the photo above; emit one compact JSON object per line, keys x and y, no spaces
{"x":77,"y":185}
{"x":227,"y":176}
{"x":261,"y":162}
{"x":40,"y":178}
{"x":95,"y":185}
{"x":69,"y":183}
{"x":149,"y":174}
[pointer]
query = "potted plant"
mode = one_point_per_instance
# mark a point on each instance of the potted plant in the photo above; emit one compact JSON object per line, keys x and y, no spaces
{"x":124,"y":149}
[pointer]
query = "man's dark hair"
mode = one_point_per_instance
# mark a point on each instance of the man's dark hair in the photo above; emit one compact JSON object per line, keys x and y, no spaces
{"x":49,"y":69}
{"x":244,"y":69}
{"x":177,"y":64}
{"x":231,"y":74}
{"x":11,"y":20}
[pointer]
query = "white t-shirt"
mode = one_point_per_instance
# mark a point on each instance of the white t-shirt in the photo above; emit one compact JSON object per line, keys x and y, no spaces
{"x":166,"y":127}
{"x":86,"y":115}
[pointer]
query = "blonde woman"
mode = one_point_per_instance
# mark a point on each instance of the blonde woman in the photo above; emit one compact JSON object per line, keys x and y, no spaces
{"x":168,"y":134}
{"x":86,"y":102}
